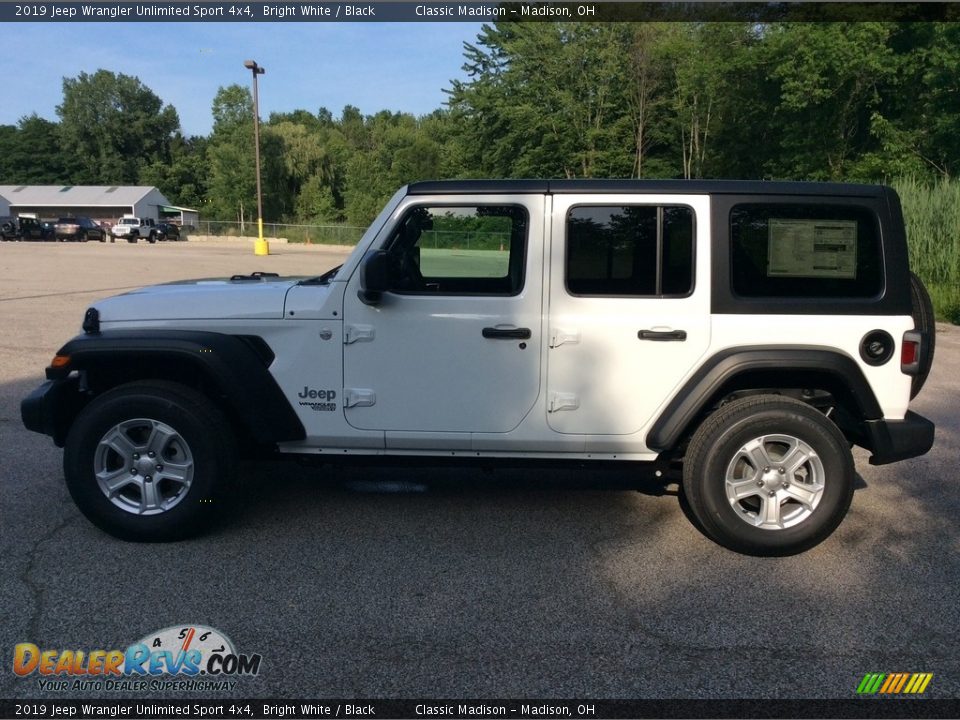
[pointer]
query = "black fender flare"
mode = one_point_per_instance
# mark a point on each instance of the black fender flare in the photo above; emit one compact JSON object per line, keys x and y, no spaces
{"x":779,"y":363}
{"x":235,"y":366}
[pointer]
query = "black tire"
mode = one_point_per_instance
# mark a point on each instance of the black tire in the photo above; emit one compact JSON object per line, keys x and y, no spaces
{"x":203,"y":437}
{"x":716,"y":452}
{"x":152,"y":238}
{"x":924,"y":320}
{"x":133,"y":238}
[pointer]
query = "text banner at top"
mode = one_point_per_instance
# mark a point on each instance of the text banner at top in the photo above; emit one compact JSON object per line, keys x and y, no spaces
{"x":386,"y":11}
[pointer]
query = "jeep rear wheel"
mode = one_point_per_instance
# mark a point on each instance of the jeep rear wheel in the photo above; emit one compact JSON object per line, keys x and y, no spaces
{"x":768,"y":475}
{"x":149,"y":461}
{"x":924,"y":320}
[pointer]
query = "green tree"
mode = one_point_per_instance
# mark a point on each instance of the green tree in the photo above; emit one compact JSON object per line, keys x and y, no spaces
{"x":648,"y":84}
{"x":183,"y":180}
{"x":545,"y":99}
{"x":831,"y":77}
{"x":391,"y":150}
{"x":112,"y":125}
{"x":916,"y":125}
{"x":30,"y":153}
{"x":233,"y":182}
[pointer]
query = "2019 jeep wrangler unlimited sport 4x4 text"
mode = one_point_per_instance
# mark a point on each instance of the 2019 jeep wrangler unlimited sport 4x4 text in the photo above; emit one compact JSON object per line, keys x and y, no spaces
{"x":752,"y":330}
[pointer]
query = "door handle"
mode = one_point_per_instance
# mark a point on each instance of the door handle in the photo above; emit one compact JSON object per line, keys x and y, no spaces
{"x":495,"y":333}
{"x":662,"y":335}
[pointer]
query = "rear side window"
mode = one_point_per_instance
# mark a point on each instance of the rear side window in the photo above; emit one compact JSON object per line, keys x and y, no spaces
{"x":630,"y":251}
{"x":805,"y":251}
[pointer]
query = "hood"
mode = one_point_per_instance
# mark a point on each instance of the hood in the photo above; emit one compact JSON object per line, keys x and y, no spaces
{"x":219,"y":298}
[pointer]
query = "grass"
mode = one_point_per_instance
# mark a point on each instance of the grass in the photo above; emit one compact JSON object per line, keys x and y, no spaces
{"x":932,"y":216}
{"x":444,"y":262}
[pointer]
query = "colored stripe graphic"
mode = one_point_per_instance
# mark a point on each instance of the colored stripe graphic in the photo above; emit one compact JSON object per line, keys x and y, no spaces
{"x":871,"y":683}
{"x":894,"y":683}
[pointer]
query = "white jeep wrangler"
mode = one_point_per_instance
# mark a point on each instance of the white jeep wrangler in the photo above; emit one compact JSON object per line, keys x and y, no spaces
{"x":131,"y":228}
{"x":752,"y":330}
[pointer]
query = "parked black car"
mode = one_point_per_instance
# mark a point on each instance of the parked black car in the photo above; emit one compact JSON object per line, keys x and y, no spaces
{"x":167,"y":231}
{"x":78,"y":228}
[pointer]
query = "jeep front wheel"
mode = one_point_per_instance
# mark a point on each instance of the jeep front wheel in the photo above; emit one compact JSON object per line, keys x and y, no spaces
{"x":149,"y":461}
{"x":768,"y":475}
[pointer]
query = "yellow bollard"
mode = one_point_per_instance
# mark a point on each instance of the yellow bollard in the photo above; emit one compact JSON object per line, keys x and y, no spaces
{"x":260,"y":246}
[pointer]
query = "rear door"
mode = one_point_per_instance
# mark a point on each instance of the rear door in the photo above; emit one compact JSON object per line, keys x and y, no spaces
{"x":629,"y":308}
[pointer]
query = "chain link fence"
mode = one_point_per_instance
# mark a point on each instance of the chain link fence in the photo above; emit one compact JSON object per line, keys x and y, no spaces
{"x":350,"y":235}
{"x":465,"y":240}
{"x":320,"y":234}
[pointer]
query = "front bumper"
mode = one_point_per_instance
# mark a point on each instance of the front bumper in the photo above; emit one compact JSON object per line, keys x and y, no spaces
{"x":893,"y":440}
{"x":47,"y":408}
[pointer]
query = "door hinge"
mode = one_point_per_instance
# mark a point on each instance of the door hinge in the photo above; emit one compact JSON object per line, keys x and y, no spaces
{"x":358,"y":397}
{"x":357,"y":333}
{"x":558,"y":337}
{"x":563,"y":401}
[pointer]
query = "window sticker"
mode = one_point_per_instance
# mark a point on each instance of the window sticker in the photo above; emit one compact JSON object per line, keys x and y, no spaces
{"x":812,"y":248}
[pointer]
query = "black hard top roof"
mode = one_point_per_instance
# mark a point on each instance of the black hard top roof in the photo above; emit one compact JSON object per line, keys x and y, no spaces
{"x":700,"y":187}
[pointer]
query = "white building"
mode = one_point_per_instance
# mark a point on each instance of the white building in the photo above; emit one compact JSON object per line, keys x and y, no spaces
{"x":99,"y":202}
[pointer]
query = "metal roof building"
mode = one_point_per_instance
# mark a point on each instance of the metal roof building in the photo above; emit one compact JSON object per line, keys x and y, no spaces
{"x":99,"y":202}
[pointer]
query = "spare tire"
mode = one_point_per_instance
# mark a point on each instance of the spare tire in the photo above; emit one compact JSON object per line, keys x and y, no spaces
{"x":925,"y":321}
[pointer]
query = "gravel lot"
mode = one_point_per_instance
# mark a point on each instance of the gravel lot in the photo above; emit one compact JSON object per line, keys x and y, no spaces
{"x":573,"y":583}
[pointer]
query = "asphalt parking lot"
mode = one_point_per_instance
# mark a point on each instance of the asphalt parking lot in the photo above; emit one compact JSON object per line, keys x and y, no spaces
{"x":465,"y":584}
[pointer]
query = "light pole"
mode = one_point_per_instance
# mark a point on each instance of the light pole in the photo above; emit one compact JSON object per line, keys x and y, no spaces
{"x":261,"y":246}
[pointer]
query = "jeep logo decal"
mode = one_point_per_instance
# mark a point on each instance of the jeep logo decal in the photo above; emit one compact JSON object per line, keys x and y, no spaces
{"x":317,"y":394}
{"x":318,"y":400}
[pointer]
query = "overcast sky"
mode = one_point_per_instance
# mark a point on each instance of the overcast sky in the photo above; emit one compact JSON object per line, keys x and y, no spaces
{"x":374,"y":66}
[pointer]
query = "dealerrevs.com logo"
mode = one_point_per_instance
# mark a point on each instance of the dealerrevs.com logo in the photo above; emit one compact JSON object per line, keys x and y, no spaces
{"x":181,"y":657}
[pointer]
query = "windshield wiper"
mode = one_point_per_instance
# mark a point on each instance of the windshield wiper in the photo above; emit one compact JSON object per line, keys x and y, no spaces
{"x":321,"y":279}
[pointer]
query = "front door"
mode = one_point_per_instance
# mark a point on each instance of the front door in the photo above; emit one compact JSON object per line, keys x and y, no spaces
{"x":454,"y":346}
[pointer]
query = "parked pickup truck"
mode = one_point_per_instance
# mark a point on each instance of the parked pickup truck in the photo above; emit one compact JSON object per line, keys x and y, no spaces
{"x":133,"y":228}
{"x":746,"y":332}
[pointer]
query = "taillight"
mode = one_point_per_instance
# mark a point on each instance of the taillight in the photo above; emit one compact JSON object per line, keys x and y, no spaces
{"x":910,"y":352}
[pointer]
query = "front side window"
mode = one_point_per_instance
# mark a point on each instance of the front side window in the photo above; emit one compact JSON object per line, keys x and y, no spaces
{"x":805,"y":250}
{"x":634,"y":250}
{"x":465,"y":249}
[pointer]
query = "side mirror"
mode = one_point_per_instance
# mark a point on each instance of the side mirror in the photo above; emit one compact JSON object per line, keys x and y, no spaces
{"x":374,"y":277}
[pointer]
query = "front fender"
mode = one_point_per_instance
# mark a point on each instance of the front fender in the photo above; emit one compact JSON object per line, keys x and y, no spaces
{"x":235,"y":367}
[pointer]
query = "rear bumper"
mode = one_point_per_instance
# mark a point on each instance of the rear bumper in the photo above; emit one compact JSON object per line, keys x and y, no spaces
{"x":893,"y":440}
